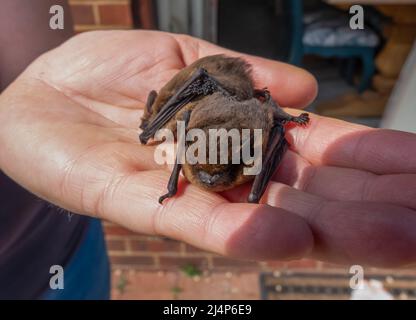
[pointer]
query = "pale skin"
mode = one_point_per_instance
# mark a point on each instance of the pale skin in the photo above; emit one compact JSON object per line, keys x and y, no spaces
{"x":344,"y":193}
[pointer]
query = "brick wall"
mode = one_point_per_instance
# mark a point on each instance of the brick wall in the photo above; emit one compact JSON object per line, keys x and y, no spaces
{"x":101,"y":14}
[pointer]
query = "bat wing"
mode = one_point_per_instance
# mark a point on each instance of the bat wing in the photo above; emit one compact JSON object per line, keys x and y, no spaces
{"x":199,"y":84}
{"x":276,"y":148}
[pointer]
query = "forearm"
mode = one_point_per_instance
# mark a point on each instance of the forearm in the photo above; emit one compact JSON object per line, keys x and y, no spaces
{"x":25,"y":107}
{"x":18,"y":97}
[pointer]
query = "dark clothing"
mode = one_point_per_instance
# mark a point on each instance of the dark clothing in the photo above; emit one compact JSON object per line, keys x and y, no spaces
{"x":34,"y":235}
{"x":87,"y":274}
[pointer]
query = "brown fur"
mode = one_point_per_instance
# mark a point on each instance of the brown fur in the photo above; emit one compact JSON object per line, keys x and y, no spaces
{"x":234,"y":74}
{"x":215,"y":111}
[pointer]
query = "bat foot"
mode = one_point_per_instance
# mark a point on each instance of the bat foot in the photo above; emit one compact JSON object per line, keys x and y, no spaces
{"x":165,"y":196}
{"x":302,"y":120}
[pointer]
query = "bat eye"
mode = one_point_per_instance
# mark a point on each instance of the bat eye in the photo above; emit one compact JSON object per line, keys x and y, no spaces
{"x":207,"y":178}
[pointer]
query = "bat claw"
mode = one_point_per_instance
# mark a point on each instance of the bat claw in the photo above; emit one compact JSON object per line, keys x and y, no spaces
{"x":165,"y":196}
{"x":143,"y":139}
{"x":302,"y":120}
{"x":252,"y":198}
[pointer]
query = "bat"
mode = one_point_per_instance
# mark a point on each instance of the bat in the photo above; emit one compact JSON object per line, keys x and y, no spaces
{"x":217,"y":92}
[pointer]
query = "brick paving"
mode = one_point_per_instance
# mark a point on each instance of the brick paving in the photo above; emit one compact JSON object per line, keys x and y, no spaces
{"x":149,"y":267}
{"x":131,"y":284}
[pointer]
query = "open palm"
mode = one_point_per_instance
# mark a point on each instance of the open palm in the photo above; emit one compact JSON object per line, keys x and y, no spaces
{"x":69,"y":134}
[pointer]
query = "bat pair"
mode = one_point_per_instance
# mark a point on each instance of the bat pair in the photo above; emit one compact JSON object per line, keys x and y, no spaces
{"x":217,"y":92}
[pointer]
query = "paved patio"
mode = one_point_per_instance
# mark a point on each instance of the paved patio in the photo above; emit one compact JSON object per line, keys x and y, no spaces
{"x":132,"y":284}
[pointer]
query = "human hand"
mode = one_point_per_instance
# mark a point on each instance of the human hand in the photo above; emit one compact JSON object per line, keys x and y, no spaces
{"x":356,"y":188}
{"x":69,"y":135}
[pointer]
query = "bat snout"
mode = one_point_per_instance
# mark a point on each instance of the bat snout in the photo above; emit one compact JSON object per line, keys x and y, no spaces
{"x":208,"y":179}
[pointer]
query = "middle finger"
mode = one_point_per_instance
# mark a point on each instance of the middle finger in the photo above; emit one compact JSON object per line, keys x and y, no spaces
{"x":337,"y":183}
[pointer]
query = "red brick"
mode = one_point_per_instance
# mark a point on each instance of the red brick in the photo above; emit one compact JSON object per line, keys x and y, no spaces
{"x":146,"y":14}
{"x":191,"y":249}
{"x":132,"y":260}
{"x":304,"y":263}
{"x":155,"y":245}
{"x":116,"y":244}
{"x":225,"y":262}
{"x":276,"y":264}
{"x":116,"y":230}
{"x":327,"y":265}
{"x":82,"y":14}
{"x":183,"y":261}
{"x":118,"y":14}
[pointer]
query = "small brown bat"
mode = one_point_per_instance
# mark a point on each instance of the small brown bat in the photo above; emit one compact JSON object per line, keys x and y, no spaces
{"x":218,"y":92}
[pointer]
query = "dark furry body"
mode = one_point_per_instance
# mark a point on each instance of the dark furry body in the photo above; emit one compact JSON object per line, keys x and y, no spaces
{"x":234,"y":103}
{"x":234,"y":75}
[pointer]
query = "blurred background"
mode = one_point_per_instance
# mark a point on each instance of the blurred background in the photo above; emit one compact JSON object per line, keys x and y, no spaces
{"x":365,"y":76}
